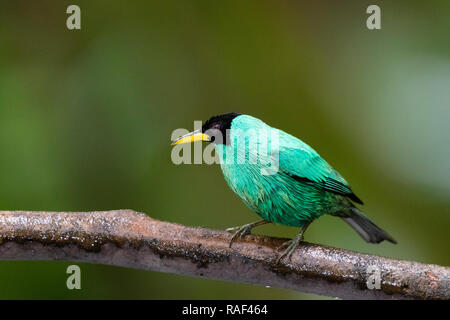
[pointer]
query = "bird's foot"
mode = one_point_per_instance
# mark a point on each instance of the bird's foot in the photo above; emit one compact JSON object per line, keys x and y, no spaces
{"x":285,"y":244}
{"x":233,"y":229}
{"x":244,"y":230}
{"x":240,"y":232}
{"x":292,"y":244}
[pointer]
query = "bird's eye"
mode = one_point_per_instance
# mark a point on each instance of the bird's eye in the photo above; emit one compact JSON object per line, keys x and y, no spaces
{"x":216,"y":126}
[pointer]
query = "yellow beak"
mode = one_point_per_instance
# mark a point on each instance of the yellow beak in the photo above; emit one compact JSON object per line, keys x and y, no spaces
{"x":196,"y":135}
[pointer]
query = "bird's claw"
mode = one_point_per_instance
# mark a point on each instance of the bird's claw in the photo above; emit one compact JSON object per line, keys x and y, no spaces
{"x":291,"y":246}
{"x":232,"y":230}
{"x":239,"y":232}
{"x":285,"y":244}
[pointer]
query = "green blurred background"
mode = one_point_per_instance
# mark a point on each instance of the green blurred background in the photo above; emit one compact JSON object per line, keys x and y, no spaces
{"x":86,"y":118}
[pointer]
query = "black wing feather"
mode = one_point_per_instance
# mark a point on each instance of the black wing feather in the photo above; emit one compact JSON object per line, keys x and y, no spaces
{"x":331,"y":185}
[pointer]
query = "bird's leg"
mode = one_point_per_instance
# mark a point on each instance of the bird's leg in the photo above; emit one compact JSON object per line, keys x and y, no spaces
{"x":244,"y":230}
{"x":292,"y":244}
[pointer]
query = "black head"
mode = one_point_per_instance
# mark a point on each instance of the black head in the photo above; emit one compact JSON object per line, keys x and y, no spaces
{"x":221,"y":122}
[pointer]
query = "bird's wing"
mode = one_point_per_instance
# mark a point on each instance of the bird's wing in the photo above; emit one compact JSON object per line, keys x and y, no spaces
{"x":304,"y":164}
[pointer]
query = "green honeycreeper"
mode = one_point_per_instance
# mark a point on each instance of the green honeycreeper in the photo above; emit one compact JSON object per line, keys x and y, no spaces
{"x":281,"y":178}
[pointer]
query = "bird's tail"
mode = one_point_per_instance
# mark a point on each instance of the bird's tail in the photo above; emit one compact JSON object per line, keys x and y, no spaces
{"x":368,"y":230}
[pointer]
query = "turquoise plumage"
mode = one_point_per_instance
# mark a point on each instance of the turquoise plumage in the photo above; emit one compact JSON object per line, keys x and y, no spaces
{"x":280,"y":198}
{"x":281,"y":178}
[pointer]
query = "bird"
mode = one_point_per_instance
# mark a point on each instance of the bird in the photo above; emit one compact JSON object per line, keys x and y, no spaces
{"x":281,"y":178}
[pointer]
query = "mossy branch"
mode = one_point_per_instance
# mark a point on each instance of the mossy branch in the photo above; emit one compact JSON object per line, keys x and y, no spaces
{"x":130,"y":239}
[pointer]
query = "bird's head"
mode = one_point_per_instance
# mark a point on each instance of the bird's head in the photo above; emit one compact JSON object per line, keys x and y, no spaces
{"x":212,"y":128}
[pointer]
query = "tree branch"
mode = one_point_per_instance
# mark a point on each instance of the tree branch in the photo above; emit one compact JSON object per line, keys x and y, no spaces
{"x":130,"y":239}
